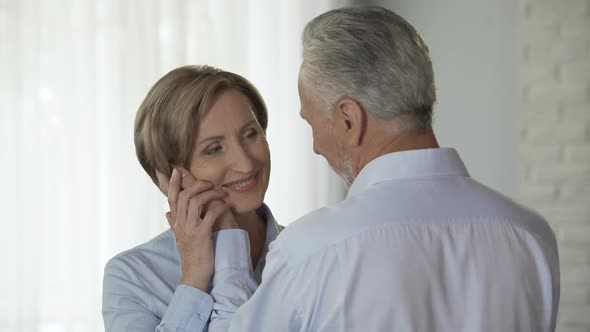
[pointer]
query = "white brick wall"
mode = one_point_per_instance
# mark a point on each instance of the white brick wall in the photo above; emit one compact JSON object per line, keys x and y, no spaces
{"x":555,"y":139}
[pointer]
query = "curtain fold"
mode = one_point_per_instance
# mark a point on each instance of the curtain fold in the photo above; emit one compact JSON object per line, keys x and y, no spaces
{"x":72,"y":74}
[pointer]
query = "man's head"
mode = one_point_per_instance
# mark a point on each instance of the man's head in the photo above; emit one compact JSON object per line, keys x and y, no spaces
{"x":363,"y":68}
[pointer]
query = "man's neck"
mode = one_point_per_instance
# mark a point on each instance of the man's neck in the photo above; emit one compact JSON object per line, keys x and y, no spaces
{"x":382,"y":144}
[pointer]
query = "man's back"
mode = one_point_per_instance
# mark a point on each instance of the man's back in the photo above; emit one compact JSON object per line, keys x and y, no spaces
{"x":417,"y":246}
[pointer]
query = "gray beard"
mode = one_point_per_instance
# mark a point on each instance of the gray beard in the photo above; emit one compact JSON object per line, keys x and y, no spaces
{"x":346,"y":172}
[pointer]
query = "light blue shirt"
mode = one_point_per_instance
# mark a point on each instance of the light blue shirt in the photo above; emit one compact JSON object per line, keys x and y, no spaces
{"x":142,"y":290}
{"x":417,"y":245}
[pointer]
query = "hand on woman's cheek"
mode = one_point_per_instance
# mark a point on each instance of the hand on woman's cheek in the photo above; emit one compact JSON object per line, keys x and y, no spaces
{"x":193,"y":229}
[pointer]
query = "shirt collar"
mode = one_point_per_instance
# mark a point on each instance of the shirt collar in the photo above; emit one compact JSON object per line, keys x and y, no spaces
{"x":272,"y":231}
{"x":272,"y":227}
{"x":407,"y":165}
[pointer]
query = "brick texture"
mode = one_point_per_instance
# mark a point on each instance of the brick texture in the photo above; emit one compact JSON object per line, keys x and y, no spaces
{"x":555,"y":139}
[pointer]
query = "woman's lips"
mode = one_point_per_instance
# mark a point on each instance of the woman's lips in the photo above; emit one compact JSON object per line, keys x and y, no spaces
{"x":242,"y":185}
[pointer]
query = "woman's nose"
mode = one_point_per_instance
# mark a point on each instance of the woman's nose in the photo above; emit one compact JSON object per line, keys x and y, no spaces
{"x":242,"y":160}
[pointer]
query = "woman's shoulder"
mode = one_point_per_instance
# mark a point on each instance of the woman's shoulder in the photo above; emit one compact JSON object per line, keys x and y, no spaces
{"x":161,"y":250}
{"x":138,"y":277}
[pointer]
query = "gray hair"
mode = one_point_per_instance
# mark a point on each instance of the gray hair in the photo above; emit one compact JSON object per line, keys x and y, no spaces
{"x":373,"y":56}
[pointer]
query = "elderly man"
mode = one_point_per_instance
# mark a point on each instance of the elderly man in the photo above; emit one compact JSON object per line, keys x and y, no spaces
{"x":417,"y":245}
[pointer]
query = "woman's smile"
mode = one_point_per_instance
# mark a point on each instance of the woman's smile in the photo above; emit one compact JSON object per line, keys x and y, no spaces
{"x":231,"y":151}
{"x":244,"y":184}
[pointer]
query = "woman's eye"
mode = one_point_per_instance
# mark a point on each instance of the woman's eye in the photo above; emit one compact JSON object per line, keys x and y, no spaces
{"x":213,"y":150}
{"x":252,"y":134}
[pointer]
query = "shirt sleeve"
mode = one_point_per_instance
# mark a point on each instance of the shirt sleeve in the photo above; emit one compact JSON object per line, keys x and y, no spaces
{"x":127,"y":301}
{"x":242,"y":305}
{"x":127,"y":304}
{"x":188,"y":310}
{"x":122,"y":310}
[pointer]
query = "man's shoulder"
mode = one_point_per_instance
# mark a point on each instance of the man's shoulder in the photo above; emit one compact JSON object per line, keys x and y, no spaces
{"x":502,"y":207}
{"x":318,"y":230}
{"x":450,"y":200}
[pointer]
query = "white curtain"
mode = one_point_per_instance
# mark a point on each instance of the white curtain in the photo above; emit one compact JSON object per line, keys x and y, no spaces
{"x":72,"y":74}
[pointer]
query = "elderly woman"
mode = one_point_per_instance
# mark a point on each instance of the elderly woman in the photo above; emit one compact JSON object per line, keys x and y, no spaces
{"x":200,"y":136}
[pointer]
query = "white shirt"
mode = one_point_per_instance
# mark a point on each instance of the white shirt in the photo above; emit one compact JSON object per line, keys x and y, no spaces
{"x":142,"y":290}
{"x":417,"y":245}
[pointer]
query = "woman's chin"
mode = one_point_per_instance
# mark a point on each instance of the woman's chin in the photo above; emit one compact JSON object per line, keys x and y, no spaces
{"x":244,"y":202}
{"x":245,"y":205}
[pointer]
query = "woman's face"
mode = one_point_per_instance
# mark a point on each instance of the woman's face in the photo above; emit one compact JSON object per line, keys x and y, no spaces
{"x":232,"y":153}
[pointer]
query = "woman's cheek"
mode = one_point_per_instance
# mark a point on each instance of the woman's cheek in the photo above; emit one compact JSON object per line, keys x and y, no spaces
{"x":263,"y":152}
{"x":208,"y":170}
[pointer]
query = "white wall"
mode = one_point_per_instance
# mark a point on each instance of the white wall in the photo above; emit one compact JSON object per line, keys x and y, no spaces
{"x":555,"y":139}
{"x":473,"y":44}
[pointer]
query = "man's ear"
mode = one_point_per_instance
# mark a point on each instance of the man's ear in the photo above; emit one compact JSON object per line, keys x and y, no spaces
{"x":352,"y":121}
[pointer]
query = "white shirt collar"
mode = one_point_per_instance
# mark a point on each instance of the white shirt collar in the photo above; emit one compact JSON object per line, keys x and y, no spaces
{"x":409,"y":164}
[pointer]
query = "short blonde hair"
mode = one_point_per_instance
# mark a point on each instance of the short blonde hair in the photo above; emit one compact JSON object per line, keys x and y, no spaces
{"x":166,"y":121}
